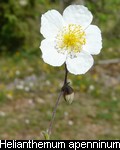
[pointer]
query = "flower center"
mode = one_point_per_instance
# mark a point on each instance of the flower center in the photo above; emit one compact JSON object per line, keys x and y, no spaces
{"x":71,"y":39}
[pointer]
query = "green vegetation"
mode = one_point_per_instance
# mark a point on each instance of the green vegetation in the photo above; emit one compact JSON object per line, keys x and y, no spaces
{"x":29,"y":87}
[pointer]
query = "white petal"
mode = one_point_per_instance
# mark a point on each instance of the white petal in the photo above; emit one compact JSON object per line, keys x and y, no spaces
{"x":93,"y":40}
{"x":51,"y":22}
{"x":78,"y":14}
{"x":81,"y":64}
{"x":50,"y":54}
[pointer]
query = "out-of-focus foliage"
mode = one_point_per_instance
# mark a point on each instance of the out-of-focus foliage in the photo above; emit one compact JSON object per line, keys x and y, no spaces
{"x":13,"y":22}
{"x":107,"y":14}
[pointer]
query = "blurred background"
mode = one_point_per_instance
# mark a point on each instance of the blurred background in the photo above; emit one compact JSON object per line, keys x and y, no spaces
{"x":29,"y":87}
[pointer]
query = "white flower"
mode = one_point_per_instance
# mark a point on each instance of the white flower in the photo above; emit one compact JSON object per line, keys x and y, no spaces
{"x":70,"y":38}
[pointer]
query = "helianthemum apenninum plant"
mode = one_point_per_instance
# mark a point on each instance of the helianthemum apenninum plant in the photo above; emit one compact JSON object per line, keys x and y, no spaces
{"x":70,"y":39}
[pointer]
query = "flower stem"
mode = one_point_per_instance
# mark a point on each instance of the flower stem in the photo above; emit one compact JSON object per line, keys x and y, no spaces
{"x":54,"y":112}
{"x":57,"y":102}
{"x":66,"y":74}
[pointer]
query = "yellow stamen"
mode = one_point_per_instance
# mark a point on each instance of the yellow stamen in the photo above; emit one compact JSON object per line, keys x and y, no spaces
{"x":71,"y":39}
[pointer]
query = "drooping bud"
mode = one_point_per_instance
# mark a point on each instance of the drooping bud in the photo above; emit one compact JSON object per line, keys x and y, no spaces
{"x":68,"y":93}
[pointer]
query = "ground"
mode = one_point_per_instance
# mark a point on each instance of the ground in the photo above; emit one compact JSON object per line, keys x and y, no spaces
{"x":29,"y":89}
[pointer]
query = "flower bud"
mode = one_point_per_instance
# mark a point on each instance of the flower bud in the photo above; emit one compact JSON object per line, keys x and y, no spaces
{"x":69,"y":98}
{"x":68,"y":94}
